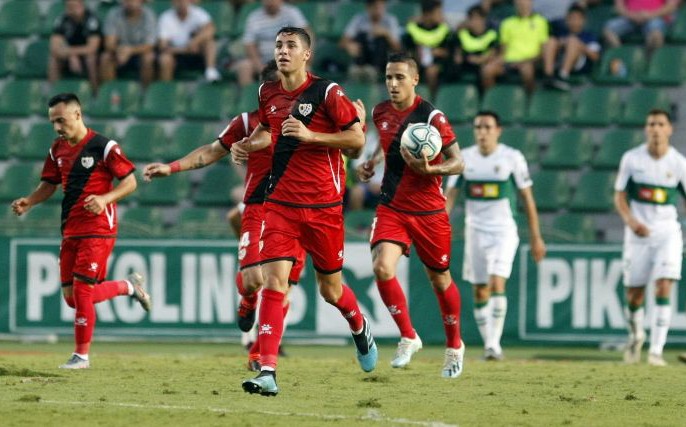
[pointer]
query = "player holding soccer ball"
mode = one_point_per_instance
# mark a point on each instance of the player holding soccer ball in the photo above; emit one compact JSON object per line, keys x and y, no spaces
{"x":495,"y":171}
{"x":412,"y":210}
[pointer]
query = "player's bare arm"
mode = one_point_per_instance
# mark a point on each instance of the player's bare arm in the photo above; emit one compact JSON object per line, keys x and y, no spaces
{"x":365,"y":171}
{"x":624,"y":212}
{"x":538,"y":249}
{"x":196,"y":159}
{"x":96,"y":203}
{"x":351,"y":138}
{"x":42,"y":193}
{"x":450,"y":198}
{"x":453,"y":163}
{"x":259,"y":139}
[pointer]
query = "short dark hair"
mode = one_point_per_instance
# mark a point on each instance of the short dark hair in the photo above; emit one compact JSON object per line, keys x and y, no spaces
{"x":430,"y":5}
{"x":404,"y":57}
{"x":66,"y":97}
{"x":489,"y":113}
{"x":576,"y":7}
{"x":476,"y":10}
{"x":269,"y":72}
{"x":660,"y":112}
{"x":300,"y":32}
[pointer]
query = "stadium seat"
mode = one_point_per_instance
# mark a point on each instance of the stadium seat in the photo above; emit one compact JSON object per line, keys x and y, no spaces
{"x":639,"y":102}
{"x":19,"y":18}
{"x":164,"y":191}
{"x":241,"y":17}
{"x":667,"y":67}
{"x":317,"y":15}
{"x":162,"y":100}
{"x":210,"y":102}
{"x":568,"y":149}
{"x":523,"y":140}
{"x":633,"y":58}
{"x":342,"y":15}
{"x":613,"y":145}
{"x":572,"y":228}
{"x":196,"y":222}
{"x":551,"y":190}
{"x":142,"y":222}
{"x":331,"y":61}
{"x":677,"y":32}
{"x":405,"y":11}
{"x":141,"y":141}
{"x":21,"y":98}
{"x":508,"y":101}
{"x":55,"y":10}
{"x":43,"y":220}
{"x":247,"y":100}
{"x":37,"y":143}
{"x":358,"y":224}
{"x":597,"y":16}
{"x":8,"y":57}
{"x":222,"y":17}
{"x":594,"y":192}
{"x":370,"y":94}
{"x":185,"y":138}
{"x":16,"y":182}
{"x":34,"y":62}
{"x":458,"y":102}
{"x":116,"y":100}
{"x":80,"y":87}
{"x":10,"y":136}
{"x":465,"y":135}
{"x":215,"y":188}
{"x":423,"y":90}
{"x":548,"y":108}
{"x":105,"y":129}
{"x":596,"y":106}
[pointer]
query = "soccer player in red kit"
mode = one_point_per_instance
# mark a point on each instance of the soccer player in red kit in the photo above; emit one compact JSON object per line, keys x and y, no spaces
{"x":412,"y":210}
{"x":85,"y":163}
{"x":310,"y":121}
{"x":249,"y":281}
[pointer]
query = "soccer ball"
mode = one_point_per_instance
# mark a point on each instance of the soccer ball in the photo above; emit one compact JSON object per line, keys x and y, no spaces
{"x":422,"y":139}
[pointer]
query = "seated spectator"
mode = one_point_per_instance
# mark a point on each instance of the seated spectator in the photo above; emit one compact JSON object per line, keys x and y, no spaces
{"x":130,"y":31}
{"x":521,"y":40}
{"x":555,"y":11}
{"x":577,"y":48}
{"x":74,"y":43}
{"x":476,"y":43}
{"x":429,"y":39}
{"x":456,"y":12}
{"x":186,"y":40}
{"x":368,"y":38}
{"x":651,"y":17}
{"x":261,"y":27}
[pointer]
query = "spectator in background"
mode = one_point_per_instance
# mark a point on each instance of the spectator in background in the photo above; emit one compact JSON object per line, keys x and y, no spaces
{"x":456,"y":12}
{"x":429,"y":39}
{"x":368,"y":38}
{"x":186,"y":39}
{"x":129,"y":41}
{"x":651,"y":17}
{"x":555,"y":11}
{"x":476,"y":43}
{"x":261,"y":27}
{"x":521,"y":39}
{"x":74,"y":43}
{"x":576,"y":48}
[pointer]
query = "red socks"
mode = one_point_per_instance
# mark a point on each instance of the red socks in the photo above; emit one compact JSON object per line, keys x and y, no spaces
{"x":347,"y":305}
{"x":84,"y":322}
{"x":107,"y":290}
{"x":255,"y":349}
{"x":396,"y":303}
{"x":449,"y":301}
{"x":270,"y":327}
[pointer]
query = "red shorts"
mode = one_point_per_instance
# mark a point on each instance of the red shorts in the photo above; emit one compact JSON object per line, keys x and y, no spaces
{"x":290,"y":230}
{"x":430,"y":234}
{"x":85,"y":259}
{"x":252,"y":223}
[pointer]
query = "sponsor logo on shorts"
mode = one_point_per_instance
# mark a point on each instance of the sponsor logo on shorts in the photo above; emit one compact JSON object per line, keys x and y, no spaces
{"x":241,"y":253}
{"x":444,"y":258}
{"x":93,"y":266}
{"x":340,"y":254}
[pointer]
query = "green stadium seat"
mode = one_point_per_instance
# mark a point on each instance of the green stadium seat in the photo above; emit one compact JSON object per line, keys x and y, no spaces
{"x":80,"y":87}
{"x":184,"y":139}
{"x":548,"y":108}
{"x":424,"y":91}
{"x":465,"y":135}
{"x":568,"y":149}
{"x":639,"y":102}
{"x":633,"y":58}
{"x":405,"y":11}
{"x":162,"y":100}
{"x":317,"y":16}
{"x":19,"y":18}
{"x":667,"y":67}
{"x":207,"y":223}
{"x":330,"y":60}
{"x":55,"y":10}
{"x":596,"y":106}
{"x":597,"y":16}
{"x":142,"y":222}
{"x":20,"y":98}
{"x":222,"y":17}
{"x":341,"y":17}
{"x":551,"y":190}
{"x":248,"y":99}
{"x":43,"y":220}
{"x":37,"y":143}
{"x":34,"y":62}
{"x":612,"y":147}
{"x":458,"y":102}
{"x":15,"y":183}
{"x":523,"y":140}
{"x":358,"y":224}
{"x":572,"y":228}
{"x":677,"y":33}
{"x":216,"y":185}
{"x":508,"y":101}
{"x":211,"y":102}
{"x":8,"y":57}
{"x":163,"y":191}
{"x":241,"y":17}
{"x":116,"y":99}
{"x":104,"y":129}
{"x":10,"y":136}
{"x":594,"y":192}
{"x":141,"y":141}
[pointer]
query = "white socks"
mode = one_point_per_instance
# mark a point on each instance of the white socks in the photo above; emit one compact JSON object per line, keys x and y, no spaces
{"x":659,"y":326}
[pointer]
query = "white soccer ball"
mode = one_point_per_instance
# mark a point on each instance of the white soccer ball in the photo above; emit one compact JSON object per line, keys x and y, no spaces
{"x":422,"y":139}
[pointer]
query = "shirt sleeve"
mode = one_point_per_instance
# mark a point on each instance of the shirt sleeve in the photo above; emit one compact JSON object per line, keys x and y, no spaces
{"x":250,"y":33}
{"x":339,"y":108}
{"x":235,"y":131}
{"x":440,"y":122}
{"x":150,"y":27}
{"x":261,"y":112}
{"x":58,"y":26}
{"x":164,"y":30}
{"x":520,"y":171}
{"x":623,"y":175}
{"x":93,"y":26}
{"x":202,"y":18}
{"x":51,"y":172}
{"x":117,"y":163}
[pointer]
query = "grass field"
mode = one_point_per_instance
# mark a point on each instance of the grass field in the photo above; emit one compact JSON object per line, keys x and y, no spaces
{"x":190,"y":384}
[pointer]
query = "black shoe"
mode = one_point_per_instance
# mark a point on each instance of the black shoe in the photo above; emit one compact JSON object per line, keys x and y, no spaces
{"x":246,"y":316}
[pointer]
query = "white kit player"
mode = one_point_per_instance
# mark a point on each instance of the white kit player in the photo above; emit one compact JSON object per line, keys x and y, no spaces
{"x":493,"y":174}
{"x":649,"y":178}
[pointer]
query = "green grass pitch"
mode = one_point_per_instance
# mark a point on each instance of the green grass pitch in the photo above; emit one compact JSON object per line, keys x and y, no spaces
{"x":191,"y":384}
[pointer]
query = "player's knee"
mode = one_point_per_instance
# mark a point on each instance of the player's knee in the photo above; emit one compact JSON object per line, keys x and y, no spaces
{"x":69,"y":299}
{"x":383,"y":270}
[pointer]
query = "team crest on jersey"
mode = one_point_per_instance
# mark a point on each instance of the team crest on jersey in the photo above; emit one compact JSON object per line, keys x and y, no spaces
{"x":87,"y":162}
{"x":305,"y":109}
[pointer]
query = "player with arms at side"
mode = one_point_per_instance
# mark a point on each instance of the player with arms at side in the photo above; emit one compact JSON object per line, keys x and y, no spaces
{"x":649,"y":178}
{"x":85,"y":163}
{"x":493,"y":172}
{"x":310,"y":121}
{"x":412,"y":210}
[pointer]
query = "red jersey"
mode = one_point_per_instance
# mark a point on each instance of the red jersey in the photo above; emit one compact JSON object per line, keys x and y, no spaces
{"x":259,"y":162}
{"x":402,"y":188}
{"x":306,"y":175}
{"x":86,"y":168}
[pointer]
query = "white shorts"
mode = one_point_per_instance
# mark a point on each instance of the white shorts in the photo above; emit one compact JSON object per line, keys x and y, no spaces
{"x":488,"y":254}
{"x":658,"y":259}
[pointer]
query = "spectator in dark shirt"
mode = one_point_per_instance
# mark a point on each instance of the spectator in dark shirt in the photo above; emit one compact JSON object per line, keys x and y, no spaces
{"x":476,"y":43}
